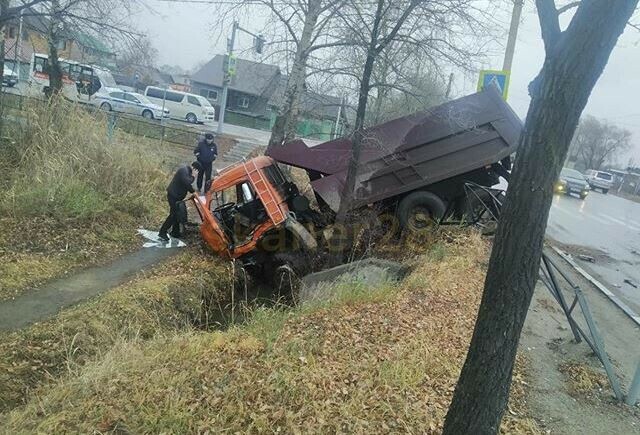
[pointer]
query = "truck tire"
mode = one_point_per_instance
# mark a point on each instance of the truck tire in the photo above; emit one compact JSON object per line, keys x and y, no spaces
{"x":420,"y":210}
{"x":604,"y":191}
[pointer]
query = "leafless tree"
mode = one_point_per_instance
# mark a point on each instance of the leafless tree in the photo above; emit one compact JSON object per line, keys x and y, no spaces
{"x":597,"y":142}
{"x":437,"y":31}
{"x":136,"y":52}
{"x":297,"y":30}
{"x":574,"y":60}
{"x":403,"y":84}
{"x":108,"y":20}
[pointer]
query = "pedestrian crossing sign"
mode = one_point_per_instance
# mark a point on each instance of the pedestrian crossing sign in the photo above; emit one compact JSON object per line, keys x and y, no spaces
{"x":499,"y":79}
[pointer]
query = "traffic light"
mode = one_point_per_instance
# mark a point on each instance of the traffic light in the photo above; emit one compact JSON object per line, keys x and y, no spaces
{"x":258,"y":43}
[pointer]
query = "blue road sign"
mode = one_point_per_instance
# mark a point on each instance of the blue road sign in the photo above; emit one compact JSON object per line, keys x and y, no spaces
{"x":499,"y":79}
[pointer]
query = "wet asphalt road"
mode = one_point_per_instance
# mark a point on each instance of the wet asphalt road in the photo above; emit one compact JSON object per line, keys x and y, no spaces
{"x":606,"y":227}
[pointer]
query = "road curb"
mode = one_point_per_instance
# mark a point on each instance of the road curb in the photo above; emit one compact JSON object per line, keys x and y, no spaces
{"x":613,"y":298}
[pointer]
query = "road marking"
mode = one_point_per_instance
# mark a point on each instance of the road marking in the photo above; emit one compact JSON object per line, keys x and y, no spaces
{"x":611,"y":218}
{"x":568,"y":213}
{"x":602,"y":221}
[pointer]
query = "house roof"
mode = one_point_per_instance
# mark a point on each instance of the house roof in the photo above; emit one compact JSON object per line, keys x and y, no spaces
{"x":325,"y":106}
{"x":89,"y":41}
{"x":40,"y":24}
{"x":251,"y":77}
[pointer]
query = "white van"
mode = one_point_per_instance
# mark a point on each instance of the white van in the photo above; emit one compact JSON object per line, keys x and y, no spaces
{"x":182,"y":105}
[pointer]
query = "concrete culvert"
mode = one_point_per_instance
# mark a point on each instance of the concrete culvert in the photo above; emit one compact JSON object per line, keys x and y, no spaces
{"x":369,"y":273}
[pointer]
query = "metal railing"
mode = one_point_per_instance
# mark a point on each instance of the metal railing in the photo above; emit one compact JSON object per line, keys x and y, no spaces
{"x":132,"y":124}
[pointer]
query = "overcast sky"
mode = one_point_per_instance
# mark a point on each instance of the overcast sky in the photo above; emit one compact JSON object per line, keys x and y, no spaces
{"x":183,"y":36}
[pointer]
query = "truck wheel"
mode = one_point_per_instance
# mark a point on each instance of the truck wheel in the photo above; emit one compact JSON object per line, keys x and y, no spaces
{"x":604,"y":191}
{"x":420,"y":210}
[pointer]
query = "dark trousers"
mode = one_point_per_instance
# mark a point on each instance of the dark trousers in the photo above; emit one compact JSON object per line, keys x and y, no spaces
{"x":172,"y":220}
{"x":206,"y":172}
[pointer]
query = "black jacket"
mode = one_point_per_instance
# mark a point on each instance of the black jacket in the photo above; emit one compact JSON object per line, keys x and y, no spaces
{"x":206,"y":153}
{"x":181,"y":183}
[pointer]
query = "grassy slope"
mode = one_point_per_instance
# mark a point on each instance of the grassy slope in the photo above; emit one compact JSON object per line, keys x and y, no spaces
{"x":167,"y":298}
{"x":70,"y":197}
{"x":373,"y":360}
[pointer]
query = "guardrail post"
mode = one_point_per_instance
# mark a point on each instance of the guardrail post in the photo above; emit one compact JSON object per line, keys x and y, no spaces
{"x":111,"y":125}
{"x":599,"y":344}
{"x":634,"y":389}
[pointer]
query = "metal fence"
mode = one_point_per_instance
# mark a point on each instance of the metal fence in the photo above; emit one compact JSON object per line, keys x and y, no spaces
{"x":132,"y":124}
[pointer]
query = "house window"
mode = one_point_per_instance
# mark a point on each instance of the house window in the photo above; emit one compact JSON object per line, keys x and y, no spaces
{"x":12,"y":32}
{"x":61,"y":45}
{"x":243,"y":102}
{"x":209,"y":94}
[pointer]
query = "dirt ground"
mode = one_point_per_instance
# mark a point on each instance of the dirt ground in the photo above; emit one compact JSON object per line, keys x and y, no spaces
{"x":548,"y":344}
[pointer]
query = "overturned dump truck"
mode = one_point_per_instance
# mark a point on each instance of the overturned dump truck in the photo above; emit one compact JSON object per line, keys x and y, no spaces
{"x":415,"y":167}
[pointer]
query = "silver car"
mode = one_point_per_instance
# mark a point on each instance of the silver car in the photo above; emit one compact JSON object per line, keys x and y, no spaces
{"x":599,"y":180}
{"x":133,"y":103}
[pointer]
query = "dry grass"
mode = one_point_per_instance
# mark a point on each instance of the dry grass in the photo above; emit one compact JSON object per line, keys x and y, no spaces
{"x":69,"y":196}
{"x":375,"y":360}
{"x":168,"y":298}
{"x":583,"y":381}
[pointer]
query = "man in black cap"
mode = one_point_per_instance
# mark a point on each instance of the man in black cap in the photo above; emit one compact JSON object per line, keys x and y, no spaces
{"x":176,"y":191}
{"x":206,"y":152}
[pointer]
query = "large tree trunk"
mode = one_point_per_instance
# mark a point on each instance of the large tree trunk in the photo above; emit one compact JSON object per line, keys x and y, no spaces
{"x":284,"y":128}
{"x":574,"y":61}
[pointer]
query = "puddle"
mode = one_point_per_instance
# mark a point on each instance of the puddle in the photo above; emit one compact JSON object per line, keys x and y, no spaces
{"x":153,"y":241}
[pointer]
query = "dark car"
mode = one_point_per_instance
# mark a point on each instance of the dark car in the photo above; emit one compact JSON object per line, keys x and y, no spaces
{"x":572,"y":182}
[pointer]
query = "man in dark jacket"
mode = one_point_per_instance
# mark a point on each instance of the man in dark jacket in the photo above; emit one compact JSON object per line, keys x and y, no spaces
{"x":206,"y":152}
{"x":176,"y":191}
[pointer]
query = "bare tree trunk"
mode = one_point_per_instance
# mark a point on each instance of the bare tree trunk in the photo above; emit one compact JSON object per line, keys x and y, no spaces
{"x":55,"y":33}
{"x":284,"y":128}
{"x":574,"y":60}
{"x":363,"y":96}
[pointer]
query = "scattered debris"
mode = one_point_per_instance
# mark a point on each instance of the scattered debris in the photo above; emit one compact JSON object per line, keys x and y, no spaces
{"x":588,"y":258}
{"x":628,"y":281}
{"x":155,"y":242}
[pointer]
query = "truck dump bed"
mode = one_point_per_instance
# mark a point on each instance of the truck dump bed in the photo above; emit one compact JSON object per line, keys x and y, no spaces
{"x":411,"y":152}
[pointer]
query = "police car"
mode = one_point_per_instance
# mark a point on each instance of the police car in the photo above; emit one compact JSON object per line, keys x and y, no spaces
{"x":130,"y":102}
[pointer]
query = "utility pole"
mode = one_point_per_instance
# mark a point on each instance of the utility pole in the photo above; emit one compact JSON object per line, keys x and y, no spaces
{"x":226,"y":76}
{"x":258,"y":43}
{"x":513,"y":33}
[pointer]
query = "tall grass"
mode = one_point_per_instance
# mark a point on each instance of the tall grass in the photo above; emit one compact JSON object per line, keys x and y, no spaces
{"x":59,"y":162}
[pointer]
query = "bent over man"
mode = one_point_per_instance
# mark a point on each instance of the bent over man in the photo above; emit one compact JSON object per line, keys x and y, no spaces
{"x":176,"y":191}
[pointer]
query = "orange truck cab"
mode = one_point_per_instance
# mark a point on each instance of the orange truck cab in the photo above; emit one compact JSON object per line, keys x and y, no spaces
{"x":251,"y":210}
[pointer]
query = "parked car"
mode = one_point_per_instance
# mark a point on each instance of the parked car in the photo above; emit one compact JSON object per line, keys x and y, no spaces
{"x":183,"y":105}
{"x":131,"y":102}
{"x":599,"y":180}
{"x":9,"y":78}
{"x":572,"y":182}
